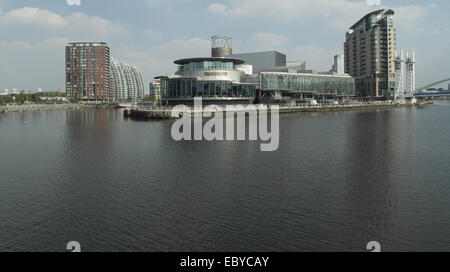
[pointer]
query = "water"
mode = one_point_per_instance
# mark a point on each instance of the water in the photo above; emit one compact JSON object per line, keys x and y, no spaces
{"x":338,"y":181}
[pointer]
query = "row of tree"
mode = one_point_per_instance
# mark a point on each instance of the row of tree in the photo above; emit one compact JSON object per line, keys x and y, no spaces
{"x":30,"y":98}
{"x":6,"y":100}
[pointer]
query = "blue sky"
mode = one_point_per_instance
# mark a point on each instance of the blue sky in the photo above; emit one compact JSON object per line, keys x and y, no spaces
{"x":153,"y":33}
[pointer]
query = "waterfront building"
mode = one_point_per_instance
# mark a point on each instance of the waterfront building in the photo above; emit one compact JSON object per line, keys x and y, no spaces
{"x":301,"y":87}
{"x":126,"y":81}
{"x":231,"y":80}
{"x":217,"y":80}
{"x":88,"y":71}
{"x":369,"y":52}
{"x":262,"y":60}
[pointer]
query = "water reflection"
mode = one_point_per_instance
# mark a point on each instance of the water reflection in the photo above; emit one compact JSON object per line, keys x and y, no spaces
{"x":337,"y":181}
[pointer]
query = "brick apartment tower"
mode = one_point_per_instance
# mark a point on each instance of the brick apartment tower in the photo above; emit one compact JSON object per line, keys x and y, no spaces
{"x":369,"y":54}
{"x":88,"y":71}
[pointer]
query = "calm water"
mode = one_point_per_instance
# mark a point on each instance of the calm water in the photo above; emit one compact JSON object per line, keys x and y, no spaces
{"x":338,"y":181}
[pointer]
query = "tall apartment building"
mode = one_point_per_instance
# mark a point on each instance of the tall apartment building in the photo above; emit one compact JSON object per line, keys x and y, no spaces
{"x":369,"y":54}
{"x":126,"y":81}
{"x":88,"y":71}
{"x":338,"y":66}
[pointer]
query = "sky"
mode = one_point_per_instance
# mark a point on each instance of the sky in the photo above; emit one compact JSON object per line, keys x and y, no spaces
{"x":151,"y":34}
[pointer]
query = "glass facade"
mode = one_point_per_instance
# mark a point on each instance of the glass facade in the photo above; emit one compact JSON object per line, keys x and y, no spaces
{"x":320,"y":84}
{"x":191,"y":87}
{"x":207,"y":65}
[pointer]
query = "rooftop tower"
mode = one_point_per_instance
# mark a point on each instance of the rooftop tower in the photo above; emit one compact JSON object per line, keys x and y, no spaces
{"x":221,"y":46}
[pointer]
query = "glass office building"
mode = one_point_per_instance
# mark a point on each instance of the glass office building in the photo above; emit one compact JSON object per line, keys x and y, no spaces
{"x":230,"y":80}
{"x":220,"y":89}
{"x":216,"y":80}
{"x":207,"y":65}
{"x":315,"y":84}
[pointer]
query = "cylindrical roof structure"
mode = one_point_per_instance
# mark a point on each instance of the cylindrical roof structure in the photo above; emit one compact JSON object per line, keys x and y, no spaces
{"x":221,"y":46}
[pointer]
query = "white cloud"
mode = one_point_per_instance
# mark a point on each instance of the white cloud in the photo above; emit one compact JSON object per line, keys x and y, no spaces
{"x":218,"y":8}
{"x":283,"y":10}
{"x":76,"y":25}
{"x":93,"y":27}
{"x":340,"y":14}
{"x":33,"y":16}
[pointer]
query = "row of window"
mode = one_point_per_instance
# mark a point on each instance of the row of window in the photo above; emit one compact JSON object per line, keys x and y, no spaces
{"x":305,"y":83}
{"x":207,"y":65}
{"x":186,"y":88}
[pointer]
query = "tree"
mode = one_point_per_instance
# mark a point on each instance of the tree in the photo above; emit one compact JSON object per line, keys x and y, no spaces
{"x":5,"y":100}
{"x":21,"y":98}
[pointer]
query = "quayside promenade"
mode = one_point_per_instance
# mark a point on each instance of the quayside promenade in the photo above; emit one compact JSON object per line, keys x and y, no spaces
{"x":157,"y":113}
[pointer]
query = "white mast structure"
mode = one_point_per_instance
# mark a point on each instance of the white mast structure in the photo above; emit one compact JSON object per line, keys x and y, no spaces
{"x":410,"y":75}
{"x":399,"y":86}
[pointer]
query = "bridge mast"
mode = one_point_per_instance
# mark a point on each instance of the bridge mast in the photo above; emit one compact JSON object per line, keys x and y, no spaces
{"x":410,"y":75}
{"x":399,"y":87}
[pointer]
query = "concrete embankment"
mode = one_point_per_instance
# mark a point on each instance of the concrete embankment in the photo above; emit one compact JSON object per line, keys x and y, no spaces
{"x":37,"y":107}
{"x":156,"y":114}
